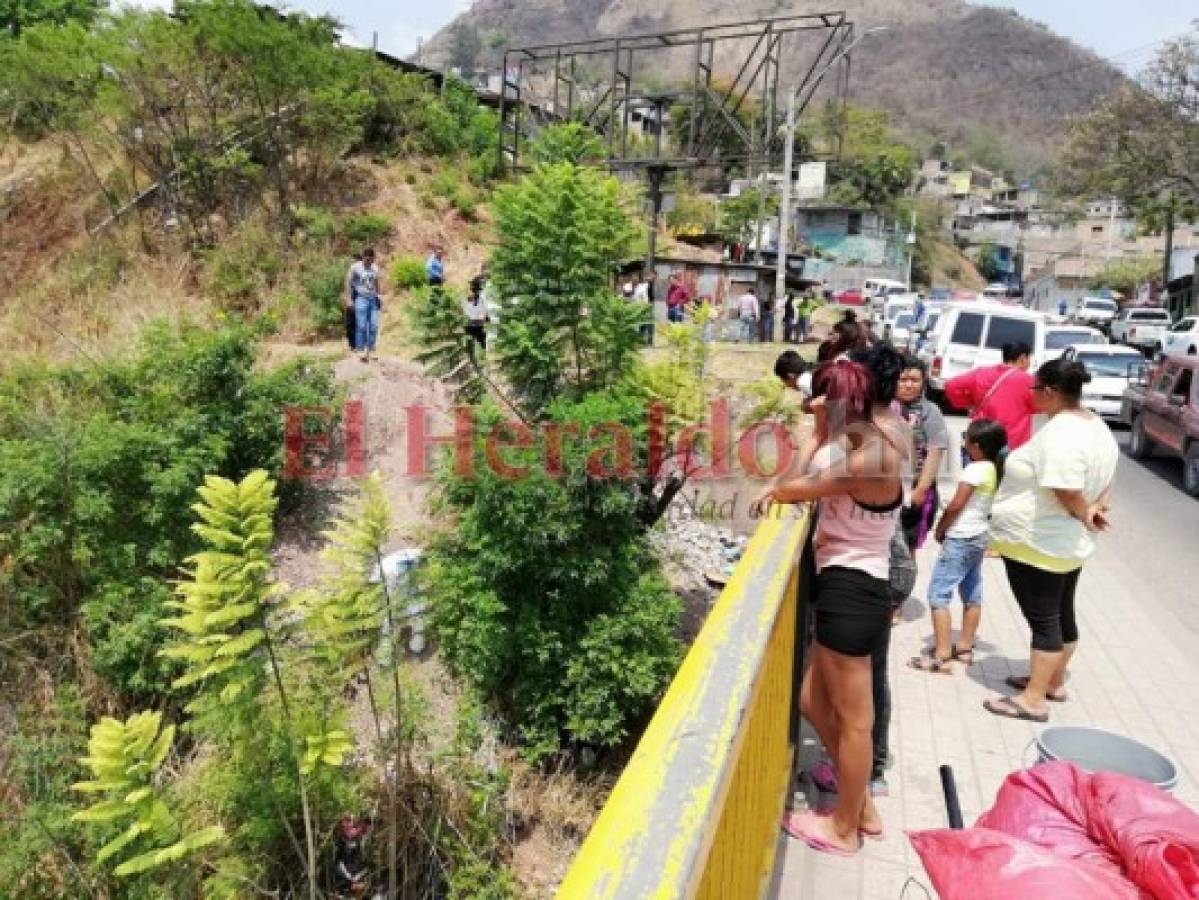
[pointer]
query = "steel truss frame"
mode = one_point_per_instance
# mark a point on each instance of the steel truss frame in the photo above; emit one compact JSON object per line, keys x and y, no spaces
{"x":711,"y":110}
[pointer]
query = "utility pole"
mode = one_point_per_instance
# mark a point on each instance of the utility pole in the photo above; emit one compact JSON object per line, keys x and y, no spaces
{"x":780,"y":270}
{"x":911,"y":242}
{"x":1165,"y":292}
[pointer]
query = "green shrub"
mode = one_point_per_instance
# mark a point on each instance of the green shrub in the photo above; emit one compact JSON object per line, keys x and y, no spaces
{"x":546,"y":597}
{"x":316,"y":222}
{"x":364,"y":229}
{"x":326,"y":291}
{"x":244,"y":267}
{"x":98,"y":467}
{"x":408,"y":272}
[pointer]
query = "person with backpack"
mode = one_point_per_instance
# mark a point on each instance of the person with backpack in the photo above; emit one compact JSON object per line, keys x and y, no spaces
{"x":962,"y":532}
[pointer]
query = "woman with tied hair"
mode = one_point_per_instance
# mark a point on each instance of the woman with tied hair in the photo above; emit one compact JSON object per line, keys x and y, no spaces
{"x":856,"y":477}
{"x":1046,"y":513}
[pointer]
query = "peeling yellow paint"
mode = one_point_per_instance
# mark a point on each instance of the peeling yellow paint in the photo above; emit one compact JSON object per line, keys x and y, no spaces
{"x":710,"y":831}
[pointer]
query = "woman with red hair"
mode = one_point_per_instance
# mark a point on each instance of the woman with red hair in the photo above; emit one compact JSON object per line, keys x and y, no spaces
{"x":856,"y":477}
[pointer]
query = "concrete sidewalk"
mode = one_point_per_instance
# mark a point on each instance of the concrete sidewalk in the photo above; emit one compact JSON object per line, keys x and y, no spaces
{"x":1128,"y":676}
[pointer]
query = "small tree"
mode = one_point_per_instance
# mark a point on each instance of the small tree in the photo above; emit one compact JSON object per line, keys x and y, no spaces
{"x":124,"y":758}
{"x":1143,"y":142}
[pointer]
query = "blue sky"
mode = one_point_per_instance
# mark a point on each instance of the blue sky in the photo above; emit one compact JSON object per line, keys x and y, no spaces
{"x":1110,"y":27}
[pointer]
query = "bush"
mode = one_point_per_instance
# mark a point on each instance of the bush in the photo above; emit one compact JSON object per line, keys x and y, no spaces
{"x":364,"y":229}
{"x":244,"y":267}
{"x":325,"y":289}
{"x":546,"y":597}
{"x":316,"y":222}
{"x":408,"y":272}
{"x":98,"y":467}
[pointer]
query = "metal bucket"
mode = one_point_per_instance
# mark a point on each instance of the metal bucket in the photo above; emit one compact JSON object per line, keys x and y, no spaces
{"x":1097,"y":750}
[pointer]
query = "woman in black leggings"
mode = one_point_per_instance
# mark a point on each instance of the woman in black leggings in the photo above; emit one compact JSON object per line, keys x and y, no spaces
{"x":1051,"y":503}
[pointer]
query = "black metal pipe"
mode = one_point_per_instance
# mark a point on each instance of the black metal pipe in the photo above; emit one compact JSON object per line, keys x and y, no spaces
{"x":953,"y":809}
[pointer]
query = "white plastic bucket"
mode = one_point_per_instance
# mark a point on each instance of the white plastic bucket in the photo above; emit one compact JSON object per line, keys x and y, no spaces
{"x":1097,"y":750}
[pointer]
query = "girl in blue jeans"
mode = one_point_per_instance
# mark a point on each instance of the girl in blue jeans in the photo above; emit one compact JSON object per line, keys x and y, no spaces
{"x":962,"y":533}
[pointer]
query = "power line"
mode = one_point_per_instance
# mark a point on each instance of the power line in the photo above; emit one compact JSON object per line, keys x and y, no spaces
{"x":1045,"y":76}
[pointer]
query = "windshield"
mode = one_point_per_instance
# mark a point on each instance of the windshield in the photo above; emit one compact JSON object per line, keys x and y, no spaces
{"x":931,"y":323}
{"x":1060,"y":340}
{"x":1107,"y":305}
{"x":905,"y":320}
{"x":1109,"y":365}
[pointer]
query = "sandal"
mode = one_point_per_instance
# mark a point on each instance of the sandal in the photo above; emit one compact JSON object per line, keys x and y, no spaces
{"x":965,"y":657}
{"x":1008,"y":708}
{"x":793,"y":823}
{"x":928,"y":662}
{"x":1020,"y":682}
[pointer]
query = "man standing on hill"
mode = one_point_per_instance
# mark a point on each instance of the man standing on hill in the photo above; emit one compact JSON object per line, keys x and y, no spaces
{"x":351,"y":318}
{"x":364,"y":284}
{"x":1002,"y":393}
{"x":435,"y":267}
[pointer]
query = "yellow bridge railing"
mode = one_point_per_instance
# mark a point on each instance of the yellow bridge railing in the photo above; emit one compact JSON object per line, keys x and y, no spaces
{"x":696,"y":811}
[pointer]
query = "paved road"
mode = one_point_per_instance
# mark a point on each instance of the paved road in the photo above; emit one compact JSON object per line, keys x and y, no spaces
{"x":1155,"y":532}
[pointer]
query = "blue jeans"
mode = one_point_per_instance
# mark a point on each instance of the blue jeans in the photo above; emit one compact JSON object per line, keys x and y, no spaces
{"x":959,"y":566}
{"x":674,"y":313}
{"x":768,"y":328}
{"x":749,"y":330}
{"x":366,"y":311}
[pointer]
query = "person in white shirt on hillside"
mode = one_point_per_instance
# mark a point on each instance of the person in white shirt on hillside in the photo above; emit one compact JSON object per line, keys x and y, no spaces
{"x":962,"y":533}
{"x":749,"y":312}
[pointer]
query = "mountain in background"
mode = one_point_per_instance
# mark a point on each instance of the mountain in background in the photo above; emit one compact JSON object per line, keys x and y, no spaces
{"x":994,"y":86}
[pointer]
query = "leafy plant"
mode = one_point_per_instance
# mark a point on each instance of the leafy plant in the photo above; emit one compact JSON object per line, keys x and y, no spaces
{"x":123,"y":758}
{"x":364,"y":229}
{"x":408,"y":272}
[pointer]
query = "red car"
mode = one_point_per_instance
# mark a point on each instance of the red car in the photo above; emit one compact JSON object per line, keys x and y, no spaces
{"x":852,"y":297}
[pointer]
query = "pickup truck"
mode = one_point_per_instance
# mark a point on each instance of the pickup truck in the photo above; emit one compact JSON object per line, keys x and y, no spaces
{"x":1162,"y":408}
{"x":1144,"y":328}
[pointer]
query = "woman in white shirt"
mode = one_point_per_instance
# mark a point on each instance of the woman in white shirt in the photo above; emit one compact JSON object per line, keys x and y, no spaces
{"x":1053,"y":500}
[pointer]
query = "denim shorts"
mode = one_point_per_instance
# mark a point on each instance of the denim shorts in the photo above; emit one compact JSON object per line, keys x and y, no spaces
{"x":960,"y":567}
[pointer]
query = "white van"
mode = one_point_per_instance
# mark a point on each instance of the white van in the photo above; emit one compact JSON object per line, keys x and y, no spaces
{"x":972,"y":335}
{"x":878,"y":290}
{"x":893,"y":307}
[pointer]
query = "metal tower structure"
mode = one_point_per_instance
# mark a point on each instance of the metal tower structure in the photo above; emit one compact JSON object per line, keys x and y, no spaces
{"x":547,"y":79}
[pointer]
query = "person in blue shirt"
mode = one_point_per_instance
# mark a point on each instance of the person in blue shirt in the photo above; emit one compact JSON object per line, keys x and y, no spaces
{"x":1061,"y":306}
{"x":435,"y":267}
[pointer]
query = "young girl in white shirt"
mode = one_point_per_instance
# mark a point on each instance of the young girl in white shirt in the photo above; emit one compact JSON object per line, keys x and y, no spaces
{"x":962,"y":533}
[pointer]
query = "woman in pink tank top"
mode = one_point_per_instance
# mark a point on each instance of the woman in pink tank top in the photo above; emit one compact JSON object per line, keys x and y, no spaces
{"x":856,"y":478}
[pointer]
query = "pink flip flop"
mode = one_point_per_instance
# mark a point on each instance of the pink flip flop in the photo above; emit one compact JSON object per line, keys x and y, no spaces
{"x":793,"y":824}
{"x":871,"y":834}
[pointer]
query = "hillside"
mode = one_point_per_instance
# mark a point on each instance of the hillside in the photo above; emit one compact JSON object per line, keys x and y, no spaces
{"x":969,"y":76}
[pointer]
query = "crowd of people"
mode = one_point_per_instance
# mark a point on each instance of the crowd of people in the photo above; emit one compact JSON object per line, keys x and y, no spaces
{"x":1035,"y":498}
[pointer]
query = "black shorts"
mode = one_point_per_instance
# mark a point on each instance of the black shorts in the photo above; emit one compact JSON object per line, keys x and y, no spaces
{"x":853,"y":611}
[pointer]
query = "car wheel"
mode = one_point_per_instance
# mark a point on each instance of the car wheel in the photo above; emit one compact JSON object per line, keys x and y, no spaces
{"x":1139,"y":444}
{"x":1190,"y":470}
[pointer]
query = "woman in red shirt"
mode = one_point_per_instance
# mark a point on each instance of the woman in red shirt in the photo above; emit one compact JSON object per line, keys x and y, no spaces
{"x":1002,"y":393}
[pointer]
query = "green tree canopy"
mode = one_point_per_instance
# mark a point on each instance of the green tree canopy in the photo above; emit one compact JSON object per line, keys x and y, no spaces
{"x":1142,"y":144}
{"x":17,"y":15}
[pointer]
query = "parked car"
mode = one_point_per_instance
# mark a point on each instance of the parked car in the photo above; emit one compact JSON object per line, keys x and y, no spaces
{"x":1097,"y":311}
{"x":891,"y":310}
{"x":1059,"y":337}
{"x":1141,"y":327}
{"x":927,"y":326}
{"x":851,"y":297}
{"x":901,"y":331}
{"x":939,"y":294}
{"x":1183,"y":338}
{"x":970,"y":336}
{"x":1163,"y":411}
{"x":1112,"y":369}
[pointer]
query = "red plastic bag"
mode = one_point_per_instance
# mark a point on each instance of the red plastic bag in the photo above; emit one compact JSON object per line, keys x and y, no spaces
{"x":1155,"y":836}
{"x":981,"y":864}
{"x":1047,"y":806}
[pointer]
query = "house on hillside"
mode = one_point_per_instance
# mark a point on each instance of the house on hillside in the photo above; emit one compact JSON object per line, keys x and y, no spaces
{"x":1062,"y":278}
